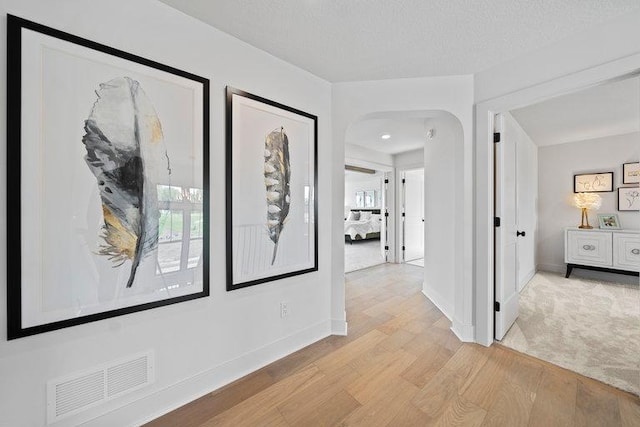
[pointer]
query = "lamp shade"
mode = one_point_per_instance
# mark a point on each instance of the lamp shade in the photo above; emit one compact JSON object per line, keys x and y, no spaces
{"x":589,"y":201}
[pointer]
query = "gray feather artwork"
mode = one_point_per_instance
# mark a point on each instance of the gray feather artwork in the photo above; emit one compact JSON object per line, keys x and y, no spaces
{"x":126,"y":153}
{"x":276,"y":178}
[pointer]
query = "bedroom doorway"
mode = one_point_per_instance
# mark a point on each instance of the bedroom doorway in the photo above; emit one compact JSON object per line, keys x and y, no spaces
{"x":365,"y":226}
{"x":412,"y":219}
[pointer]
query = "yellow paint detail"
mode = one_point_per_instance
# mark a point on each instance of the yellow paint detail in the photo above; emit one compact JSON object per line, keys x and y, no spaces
{"x":156,"y":129}
{"x":118,"y":236}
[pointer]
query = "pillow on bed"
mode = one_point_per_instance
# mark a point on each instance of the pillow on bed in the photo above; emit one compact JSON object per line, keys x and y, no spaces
{"x":353,"y":216}
{"x":365,"y":216}
{"x":376,"y":217}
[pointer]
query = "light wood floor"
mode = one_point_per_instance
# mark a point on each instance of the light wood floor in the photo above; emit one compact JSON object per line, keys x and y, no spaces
{"x":400,"y":365}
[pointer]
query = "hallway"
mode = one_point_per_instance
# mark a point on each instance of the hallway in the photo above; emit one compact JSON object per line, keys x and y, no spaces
{"x":400,"y":365}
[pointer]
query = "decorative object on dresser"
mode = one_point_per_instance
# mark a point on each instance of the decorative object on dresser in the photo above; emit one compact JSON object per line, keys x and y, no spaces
{"x":586,"y":201}
{"x":608,"y":221}
{"x":614,"y":251}
{"x":631,"y":173}
{"x":593,"y":182}
{"x":629,"y":199}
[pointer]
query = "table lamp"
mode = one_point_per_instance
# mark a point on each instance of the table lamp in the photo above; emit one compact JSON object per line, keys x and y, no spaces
{"x":586,"y":201}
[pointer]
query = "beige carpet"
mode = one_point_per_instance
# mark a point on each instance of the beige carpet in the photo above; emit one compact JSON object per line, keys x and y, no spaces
{"x":589,"y":327}
{"x":362,"y":254}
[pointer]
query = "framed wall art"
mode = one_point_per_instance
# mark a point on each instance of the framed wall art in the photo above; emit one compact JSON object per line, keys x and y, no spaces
{"x":629,"y":199}
{"x":272,"y":205}
{"x":608,"y":221}
{"x":109,"y":190}
{"x":593,"y":182}
{"x":631,"y":173}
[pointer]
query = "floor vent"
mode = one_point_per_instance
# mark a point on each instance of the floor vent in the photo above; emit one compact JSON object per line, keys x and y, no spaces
{"x":77,"y":392}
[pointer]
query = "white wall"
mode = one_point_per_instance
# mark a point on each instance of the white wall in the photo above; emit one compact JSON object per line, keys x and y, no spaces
{"x":591,"y":57}
{"x":361,"y":182}
{"x":439,"y":98}
{"x":557,"y":165}
{"x":409,"y":159}
{"x":202,"y":344}
{"x":357,"y":155}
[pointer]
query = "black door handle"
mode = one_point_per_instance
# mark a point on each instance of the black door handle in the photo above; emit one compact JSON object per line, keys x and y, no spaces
{"x":520,"y":233}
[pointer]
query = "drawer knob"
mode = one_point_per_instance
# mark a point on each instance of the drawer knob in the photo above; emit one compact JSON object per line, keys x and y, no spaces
{"x":635,"y":251}
{"x":588,"y":247}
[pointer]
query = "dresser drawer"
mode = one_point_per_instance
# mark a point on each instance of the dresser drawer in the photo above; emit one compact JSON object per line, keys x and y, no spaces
{"x":626,"y":252}
{"x":589,"y":248}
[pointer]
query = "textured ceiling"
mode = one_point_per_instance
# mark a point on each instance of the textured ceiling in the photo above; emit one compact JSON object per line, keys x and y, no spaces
{"x":600,"y":111}
{"x":347,"y":40}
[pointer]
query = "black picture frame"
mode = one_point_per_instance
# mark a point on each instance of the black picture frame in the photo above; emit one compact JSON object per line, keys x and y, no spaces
{"x":24,"y":318}
{"x":596,"y":182}
{"x":252,"y":115}
{"x":628,"y":199}
{"x":626,"y":175}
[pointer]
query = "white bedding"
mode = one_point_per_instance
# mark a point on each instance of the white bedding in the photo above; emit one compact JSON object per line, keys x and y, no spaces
{"x":362,"y":228}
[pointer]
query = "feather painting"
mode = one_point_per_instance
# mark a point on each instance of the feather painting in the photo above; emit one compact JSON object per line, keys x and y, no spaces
{"x":277,"y":174}
{"x":127,"y":155}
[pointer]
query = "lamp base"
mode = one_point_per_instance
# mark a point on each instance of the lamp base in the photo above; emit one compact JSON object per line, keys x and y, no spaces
{"x":585,"y":226}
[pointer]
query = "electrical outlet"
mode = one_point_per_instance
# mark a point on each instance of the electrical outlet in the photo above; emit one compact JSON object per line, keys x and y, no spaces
{"x":284,"y":309}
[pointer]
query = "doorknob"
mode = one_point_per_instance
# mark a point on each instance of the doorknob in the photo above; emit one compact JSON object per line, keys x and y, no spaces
{"x":521,"y":233}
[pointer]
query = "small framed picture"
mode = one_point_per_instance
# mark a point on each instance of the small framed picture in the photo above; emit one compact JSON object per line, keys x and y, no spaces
{"x":629,"y":199}
{"x":631,"y":173}
{"x":608,"y":221}
{"x":359,"y":199}
{"x":593,"y":182}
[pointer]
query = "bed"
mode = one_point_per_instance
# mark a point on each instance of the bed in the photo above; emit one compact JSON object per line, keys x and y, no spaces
{"x":362,"y":224}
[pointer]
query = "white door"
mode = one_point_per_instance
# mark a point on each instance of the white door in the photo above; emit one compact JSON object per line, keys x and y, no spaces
{"x":413,"y":215}
{"x":526,"y":206}
{"x":384,"y":218}
{"x":506,"y":272}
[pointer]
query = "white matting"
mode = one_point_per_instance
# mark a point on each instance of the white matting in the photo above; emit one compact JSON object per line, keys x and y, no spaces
{"x":587,"y":326}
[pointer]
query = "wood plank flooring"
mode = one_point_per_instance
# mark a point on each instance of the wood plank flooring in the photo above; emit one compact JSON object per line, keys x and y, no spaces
{"x":400,"y":365}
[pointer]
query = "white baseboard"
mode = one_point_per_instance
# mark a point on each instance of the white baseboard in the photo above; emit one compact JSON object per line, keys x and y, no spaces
{"x":438,"y":300}
{"x":170,"y":398}
{"x":553,"y":268}
{"x":339,"y":327}
{"x":465,"y":333}
{"x":526,"y":280}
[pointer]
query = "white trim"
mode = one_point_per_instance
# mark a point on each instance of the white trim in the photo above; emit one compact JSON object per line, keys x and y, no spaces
{"x":438,"y":300}
{"x":485,"y":110}
{"x":176,"y":395}
{"x":526,"y":280}
{"x":339,"y":327}
{"x":465,"y":333}
{"x":553,"y":268}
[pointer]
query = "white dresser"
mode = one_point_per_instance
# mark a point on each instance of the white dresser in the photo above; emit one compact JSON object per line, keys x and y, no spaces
{"x":616,"y":251}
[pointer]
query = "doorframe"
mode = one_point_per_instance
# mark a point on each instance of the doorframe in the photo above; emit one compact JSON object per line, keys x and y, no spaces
{"x":400,"y":207}
{"x":484,"y":190}
{"x":390,"y":201}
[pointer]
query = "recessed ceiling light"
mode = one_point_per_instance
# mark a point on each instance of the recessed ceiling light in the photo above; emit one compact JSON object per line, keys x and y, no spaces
{"x":385,"y":136}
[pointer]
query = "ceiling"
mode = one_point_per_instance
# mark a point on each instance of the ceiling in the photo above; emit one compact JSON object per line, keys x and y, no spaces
{"x":596,"y":112}
{"x":350,"y":40}
{"x":406,"y":134}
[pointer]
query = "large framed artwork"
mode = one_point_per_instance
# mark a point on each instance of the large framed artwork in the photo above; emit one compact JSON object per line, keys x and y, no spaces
{"x":108,"y":181}
{"x":593,"y":182}
{"x":272,"y":204}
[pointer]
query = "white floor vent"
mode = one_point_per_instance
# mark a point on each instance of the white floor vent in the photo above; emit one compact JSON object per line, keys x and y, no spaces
{"x":77,"y":392}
